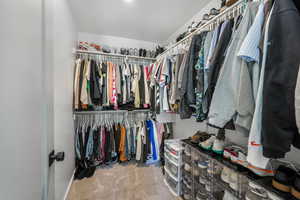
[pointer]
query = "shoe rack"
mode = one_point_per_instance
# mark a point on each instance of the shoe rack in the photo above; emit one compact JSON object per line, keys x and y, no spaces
{"x":209,"y":180}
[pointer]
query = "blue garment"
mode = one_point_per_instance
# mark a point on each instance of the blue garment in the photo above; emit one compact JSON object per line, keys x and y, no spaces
{"x":249,"y":50}
{"x":132,"y":141}
{"x":150,"y":130}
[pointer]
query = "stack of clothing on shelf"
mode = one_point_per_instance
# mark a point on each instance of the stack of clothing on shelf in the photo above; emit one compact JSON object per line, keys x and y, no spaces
{"x":85,"y":46}
{"x":106,"y":85}
{"x":107,"y":144}
{"x":241,"y":75}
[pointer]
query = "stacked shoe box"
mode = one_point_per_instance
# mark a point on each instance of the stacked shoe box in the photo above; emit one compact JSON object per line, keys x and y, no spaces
{"x":202,"y":183}
{"x":222,"y":179}
{"x":232,"y":182}
{"x":173,"y":166}
{"x":187,"y":178}
{"x":211,"y":179}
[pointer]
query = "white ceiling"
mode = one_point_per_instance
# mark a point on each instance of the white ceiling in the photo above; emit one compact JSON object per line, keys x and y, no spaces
{"x":149,"y":20}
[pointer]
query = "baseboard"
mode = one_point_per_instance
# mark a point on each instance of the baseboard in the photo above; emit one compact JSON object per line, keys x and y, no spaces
{"x":69,"y":186}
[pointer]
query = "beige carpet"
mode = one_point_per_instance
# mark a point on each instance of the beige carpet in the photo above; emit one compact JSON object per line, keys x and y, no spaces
{"x":122,"y":182}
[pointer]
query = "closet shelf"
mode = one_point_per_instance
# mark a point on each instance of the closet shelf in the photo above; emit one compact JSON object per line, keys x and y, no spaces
{"x":214,"y":20}
{"x":113,"y":55}
{"x":109,"y":112}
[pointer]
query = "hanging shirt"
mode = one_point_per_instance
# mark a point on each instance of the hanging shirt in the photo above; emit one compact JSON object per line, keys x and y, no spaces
{"x":255,"y":150}
{"x":84,"y":93}
{"x":250,"y":51}
{"x":76,"y":83}
{"x":122,"y":147}
{"x":224,"y":103}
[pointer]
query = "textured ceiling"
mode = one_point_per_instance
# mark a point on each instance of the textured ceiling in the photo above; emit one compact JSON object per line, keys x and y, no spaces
{"x":149,"y":20}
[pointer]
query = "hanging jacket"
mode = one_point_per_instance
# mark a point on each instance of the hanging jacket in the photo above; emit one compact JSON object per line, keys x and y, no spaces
{"x":279,"y":130}
{"x":96,"y":96}
{"x":189,"y":78}
{"x":218,"y":57}
{"x":224,"y":104}
{"x":187,"y":91}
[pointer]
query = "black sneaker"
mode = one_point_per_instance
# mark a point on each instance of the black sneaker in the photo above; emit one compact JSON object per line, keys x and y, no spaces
{"x":284,"y":178}
{"x":296,"y":187}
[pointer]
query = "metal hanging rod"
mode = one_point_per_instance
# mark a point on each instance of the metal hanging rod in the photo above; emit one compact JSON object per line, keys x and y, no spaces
{"x":113,"y":55}
{"x":109,"y":112}
{"x":202,"y":27}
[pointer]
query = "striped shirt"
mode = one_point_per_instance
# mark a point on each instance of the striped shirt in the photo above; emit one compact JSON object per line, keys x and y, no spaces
{"x":249,"y":50}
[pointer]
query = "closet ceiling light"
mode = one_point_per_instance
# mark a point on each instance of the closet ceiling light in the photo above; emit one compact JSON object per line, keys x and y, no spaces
{"x":128,"y":1}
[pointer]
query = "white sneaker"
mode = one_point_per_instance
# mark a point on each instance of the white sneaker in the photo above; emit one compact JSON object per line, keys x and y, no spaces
{"x":229,"y":196}
{"x":207,"y":187}
{"x":207,"y":144}
{"x":196,"y":172}
{"x":257,"y":189}
{"x":202,"y":180}
{"x":195,"y":156}
{"x":187,"y":167}
{"x":218,"y":146}
{"x":233,"y":181}
{"x":226,"y":174}
{"x":273,"y":196}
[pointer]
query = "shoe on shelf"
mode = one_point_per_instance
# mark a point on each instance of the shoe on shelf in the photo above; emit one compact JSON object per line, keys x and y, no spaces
{"x":296,"y":187}
{"x":199,"y":137}
{"x":257,"y":190}
{"x":273,"y":196}
{"x":218,"y":146}
{"x":207,"y":144}
{"x":219,"y":143}
{"x":233,"y":180}
{"x":196,"y":172}
{"x":203,"y":164}
{"x":207,"y":187}
{"x":215,"y":170}
{"x":186,"y":196}
{"x":203,"y":180}
{"x":284,"y":178}
{"x":201,"y":195}
{"x":187,"y":150}
{"x":261,"y":172}
{"x":229,"y":196}
{"x":230,"y":2}
{"x":225,"y":175}
{"x":195,"y":156}
{"x":214,"y":11}
{"x":252,"y":196}
{"x":187,"y":167}
{"x":206,"y":17}
{"x":236,"y":154}
{"x":187,"y":184}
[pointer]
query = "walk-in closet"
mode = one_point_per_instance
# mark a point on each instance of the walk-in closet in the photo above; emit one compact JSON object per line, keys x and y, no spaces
{"x":150,"y":100}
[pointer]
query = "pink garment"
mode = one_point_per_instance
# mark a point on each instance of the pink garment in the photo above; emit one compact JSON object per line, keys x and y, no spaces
{"x":160,"y":131}
{"x":114,"y":89}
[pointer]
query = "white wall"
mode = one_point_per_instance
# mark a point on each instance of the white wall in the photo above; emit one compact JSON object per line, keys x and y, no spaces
{"x":65,"y":38}
{"x":196,"y":18}
{"x":116,"y":42}
{"x":21,"y":100}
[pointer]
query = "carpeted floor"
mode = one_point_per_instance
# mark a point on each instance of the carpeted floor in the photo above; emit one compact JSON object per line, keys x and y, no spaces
{"x":122,"y":182}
